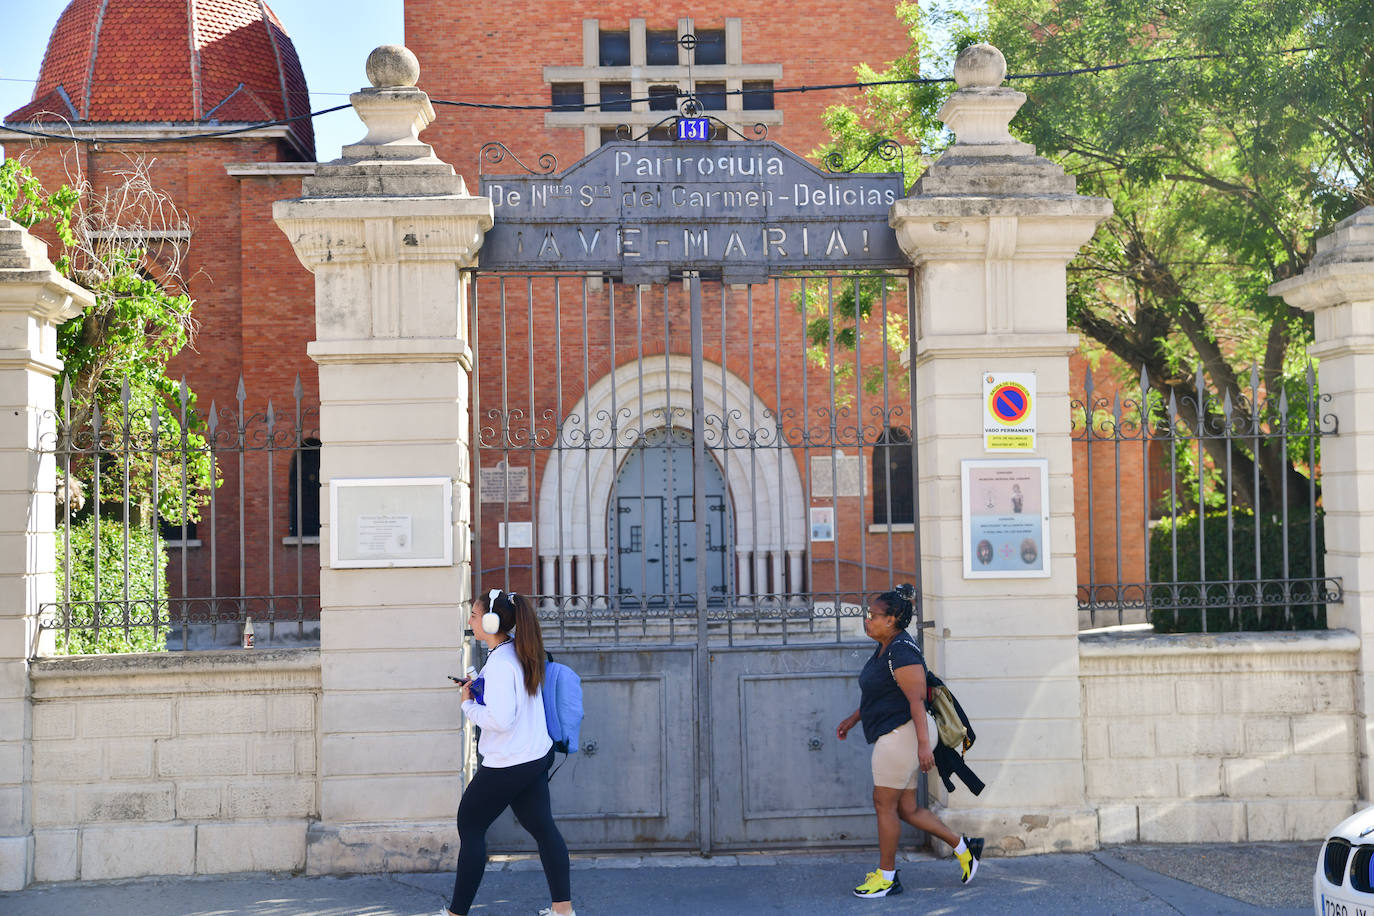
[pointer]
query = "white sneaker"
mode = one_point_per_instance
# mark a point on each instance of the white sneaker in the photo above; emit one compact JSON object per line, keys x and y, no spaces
{"x":549,"y":911}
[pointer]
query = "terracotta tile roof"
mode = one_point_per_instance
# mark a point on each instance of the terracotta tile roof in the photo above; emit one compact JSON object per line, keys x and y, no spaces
{"x":180,"y":61}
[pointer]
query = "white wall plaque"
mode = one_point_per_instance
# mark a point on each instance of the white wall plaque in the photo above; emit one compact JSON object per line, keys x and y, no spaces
{"x":515,"y":535}
{"x":840,"y":478}
{"x":390,"y":521}
{"x":503,"y":484}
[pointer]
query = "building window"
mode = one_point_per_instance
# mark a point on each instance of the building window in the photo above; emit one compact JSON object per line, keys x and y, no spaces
{"x":758,"y":96}
{"x":660,"y":48}
{"x":567,"y":97}
{"x":892,"y":496}
{"x":304,"y":511}
{"x":711,"y":96}
{"x":710,"y":49}
{"x":615,"y":96}
{"x":615,"y":49}
{"x":173,"y":533}
{"x":662,"y":98}
{"x":637,"y":78}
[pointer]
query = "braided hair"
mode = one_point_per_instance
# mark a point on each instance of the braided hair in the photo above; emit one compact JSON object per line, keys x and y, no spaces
{"x":900,"y":602}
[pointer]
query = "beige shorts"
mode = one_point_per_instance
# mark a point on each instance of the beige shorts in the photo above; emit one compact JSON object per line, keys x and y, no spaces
{"x":895,"y":761}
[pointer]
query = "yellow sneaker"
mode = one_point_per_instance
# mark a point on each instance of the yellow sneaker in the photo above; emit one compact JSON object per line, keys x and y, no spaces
{"x":875,"y":885}
{"x":968,"y":859}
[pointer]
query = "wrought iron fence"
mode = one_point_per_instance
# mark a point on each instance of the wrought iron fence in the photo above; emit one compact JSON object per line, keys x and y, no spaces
{"x":1198,"y":513}
{"x":597,"y":403}
{"x":175,"y":525}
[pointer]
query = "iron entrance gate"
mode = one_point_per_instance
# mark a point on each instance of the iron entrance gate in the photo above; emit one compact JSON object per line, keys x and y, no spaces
{"x":700,"y":482}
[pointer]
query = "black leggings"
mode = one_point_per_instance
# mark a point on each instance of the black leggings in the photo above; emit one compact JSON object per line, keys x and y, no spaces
{"x":525,"y":790}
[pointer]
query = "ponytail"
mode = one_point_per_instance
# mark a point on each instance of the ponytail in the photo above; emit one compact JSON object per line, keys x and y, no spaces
{"x":899,"y":603}
{"x":529,"y":642}
{"x":519,"y":621}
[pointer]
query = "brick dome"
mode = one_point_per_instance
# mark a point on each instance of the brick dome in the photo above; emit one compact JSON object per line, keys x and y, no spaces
{"x":179,"y":61}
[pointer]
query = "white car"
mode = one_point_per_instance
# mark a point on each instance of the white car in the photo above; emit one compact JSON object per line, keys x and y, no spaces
{"x":1344,"y":882}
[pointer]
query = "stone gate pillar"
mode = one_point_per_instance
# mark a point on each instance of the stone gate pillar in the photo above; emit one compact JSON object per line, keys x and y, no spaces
{"x":390,"y":233}
{"x":1338,"y":289}
{"x":34,"y":300}
{"x":990,"y":228}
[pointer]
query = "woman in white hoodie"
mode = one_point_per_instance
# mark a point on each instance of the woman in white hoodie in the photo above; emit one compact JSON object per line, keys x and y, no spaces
{"x":505,"y":700}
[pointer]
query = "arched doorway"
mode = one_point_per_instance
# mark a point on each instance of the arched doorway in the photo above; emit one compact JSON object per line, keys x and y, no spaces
{"x":765,"y":496}
{"x":653,"y":527}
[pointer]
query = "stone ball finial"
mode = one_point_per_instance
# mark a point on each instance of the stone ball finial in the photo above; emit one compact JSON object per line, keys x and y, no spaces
{"x":392,"y":66}
{"x":980,"y":66}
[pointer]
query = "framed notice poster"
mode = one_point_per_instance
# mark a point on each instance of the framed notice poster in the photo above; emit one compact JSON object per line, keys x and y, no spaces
{"x":1006,"y":518}
{"x":822,"y":523}
{"x":379,"y":522}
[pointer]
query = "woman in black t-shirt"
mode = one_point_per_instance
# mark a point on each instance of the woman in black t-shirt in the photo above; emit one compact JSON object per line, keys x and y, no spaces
{"x":892,"y":688}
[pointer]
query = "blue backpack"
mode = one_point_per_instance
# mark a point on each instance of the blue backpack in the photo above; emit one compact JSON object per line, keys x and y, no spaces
{"x":562,"y":705}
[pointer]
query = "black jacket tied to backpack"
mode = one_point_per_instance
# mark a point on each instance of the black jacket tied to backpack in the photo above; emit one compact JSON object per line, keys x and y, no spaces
{"x":949,"y":760}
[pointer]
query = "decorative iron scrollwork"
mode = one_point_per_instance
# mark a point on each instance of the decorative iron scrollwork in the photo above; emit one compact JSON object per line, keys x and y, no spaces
{"x":888,"y":151}
{"x":496,"y":152}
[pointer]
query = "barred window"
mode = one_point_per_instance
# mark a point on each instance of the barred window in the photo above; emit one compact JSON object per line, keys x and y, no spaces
{"x":892,"y":496}
{"x":174,"y":532}
{"x":304,"y":508}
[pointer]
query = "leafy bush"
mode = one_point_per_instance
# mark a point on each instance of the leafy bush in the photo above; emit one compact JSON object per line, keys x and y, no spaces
{"x":121,"y":627}
{"x":1236,"y":608}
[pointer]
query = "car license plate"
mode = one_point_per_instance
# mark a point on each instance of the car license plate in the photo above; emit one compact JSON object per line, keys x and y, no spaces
{"x":1335,"y":906}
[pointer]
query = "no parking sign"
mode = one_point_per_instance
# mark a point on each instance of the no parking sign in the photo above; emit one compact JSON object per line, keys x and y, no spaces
{"x":1009,"y":411}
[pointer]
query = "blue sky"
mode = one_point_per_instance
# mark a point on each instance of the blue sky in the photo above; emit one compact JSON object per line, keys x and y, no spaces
{"x":332,"y":37}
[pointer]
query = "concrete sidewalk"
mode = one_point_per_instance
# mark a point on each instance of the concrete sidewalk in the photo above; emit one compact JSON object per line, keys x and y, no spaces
{"x":1191,"y":879}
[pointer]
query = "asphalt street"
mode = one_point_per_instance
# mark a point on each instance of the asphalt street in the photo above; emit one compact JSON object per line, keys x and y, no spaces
{"x":1190,"y":879}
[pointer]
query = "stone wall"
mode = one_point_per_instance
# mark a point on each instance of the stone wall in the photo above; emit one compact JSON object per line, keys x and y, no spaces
{"x":1235,"y":737}
{"x":174,"y":764}
{"x":206,"y":763}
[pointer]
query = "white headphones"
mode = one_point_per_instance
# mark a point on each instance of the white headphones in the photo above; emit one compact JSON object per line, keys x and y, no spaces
{"x":491,"y":621}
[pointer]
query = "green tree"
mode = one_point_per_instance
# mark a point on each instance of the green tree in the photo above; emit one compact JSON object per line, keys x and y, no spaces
{"x":1237,"y":132}
{"x":1240,"y":133}
{"x":895,"y":129}
{"x":132,"y":444}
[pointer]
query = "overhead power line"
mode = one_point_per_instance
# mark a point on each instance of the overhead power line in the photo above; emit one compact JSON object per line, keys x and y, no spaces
{"x":593,"y":106}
